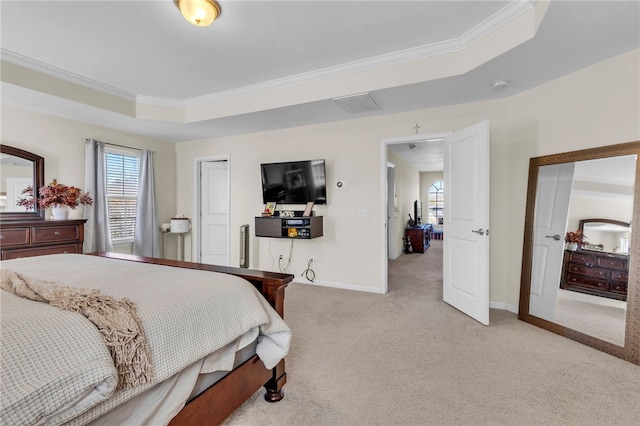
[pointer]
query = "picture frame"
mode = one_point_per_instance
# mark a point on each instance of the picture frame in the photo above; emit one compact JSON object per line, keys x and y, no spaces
{"x":307,"y":210}
{"x":270,"y":208}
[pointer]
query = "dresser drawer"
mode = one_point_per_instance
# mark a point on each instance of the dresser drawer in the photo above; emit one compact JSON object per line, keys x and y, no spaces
{"x":606,"y":262}
{"x":585,"y":259}
{"x":587,"y":282}
{"x":622,"y":276}
{"x":55,"y":234}
{"x":14,"y":237}
{"x":41,"y":251}
{"x":618,"y":287}
{"x":589,"y":271}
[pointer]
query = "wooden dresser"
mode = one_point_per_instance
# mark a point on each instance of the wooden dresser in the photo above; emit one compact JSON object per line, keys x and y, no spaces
{"x":597,"y":273}
{"x":420,"y":237}
{"x":37,"y":238}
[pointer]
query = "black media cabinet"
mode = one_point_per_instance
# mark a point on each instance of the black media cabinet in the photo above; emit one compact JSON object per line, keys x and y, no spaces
{"x":301,"y":227}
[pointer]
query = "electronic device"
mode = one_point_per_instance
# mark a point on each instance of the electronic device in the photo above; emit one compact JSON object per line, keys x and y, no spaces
{"x":294,"y":182}
{"x":244,"y":246}
{"x":417,"y":211}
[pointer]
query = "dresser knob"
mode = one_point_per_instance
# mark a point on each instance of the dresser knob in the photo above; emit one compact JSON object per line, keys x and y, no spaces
{"x":56,"y":233}
{"x":1,"y":237}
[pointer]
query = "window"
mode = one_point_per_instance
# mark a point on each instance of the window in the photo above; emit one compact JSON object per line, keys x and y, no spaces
{"x":436,"y":201}
{"x":121,"y":171}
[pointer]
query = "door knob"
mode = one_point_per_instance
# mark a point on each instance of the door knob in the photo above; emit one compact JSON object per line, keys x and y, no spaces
{"x":555,"y":237}
{"x":479,"y":231}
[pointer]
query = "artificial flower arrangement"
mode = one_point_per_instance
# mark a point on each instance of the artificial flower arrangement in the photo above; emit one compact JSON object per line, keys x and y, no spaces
{"x":575,"y":237}
{"x":55,"y":194}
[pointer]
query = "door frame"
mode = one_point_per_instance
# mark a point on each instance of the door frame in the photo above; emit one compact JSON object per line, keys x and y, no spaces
{"x":384,"y":190}
{"x":196,"y":256}
{"x":391,"y":211}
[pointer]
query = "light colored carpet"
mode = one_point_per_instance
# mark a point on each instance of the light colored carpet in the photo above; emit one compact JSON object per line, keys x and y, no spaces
{"x":407,"y":358}
{"x":596,"y":316}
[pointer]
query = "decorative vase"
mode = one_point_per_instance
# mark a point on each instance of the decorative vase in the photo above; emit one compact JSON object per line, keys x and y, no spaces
{"x":60,"y":212}
{"x":572,"y":246}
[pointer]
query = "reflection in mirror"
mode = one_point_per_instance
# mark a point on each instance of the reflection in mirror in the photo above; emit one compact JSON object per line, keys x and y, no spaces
{"x":606,"y":235}
{"x":16,"y":174}
{"x":585,"y":291}
{"x":19,"y":169}
{"x":593,"y":283}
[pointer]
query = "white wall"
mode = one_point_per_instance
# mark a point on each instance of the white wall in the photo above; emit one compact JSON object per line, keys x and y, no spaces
{"x":61,"y":142}
{"x":593,"y":107}
{"x":597,"y":106}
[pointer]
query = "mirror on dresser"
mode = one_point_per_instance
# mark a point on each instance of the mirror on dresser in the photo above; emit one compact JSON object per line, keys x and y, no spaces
{"x":26,"y":233}
{"x":19,"y":170}
{"x":587,"y":291}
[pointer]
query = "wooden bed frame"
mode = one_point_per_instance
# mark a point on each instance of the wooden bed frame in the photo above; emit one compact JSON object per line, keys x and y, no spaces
{"x":215,"y":404}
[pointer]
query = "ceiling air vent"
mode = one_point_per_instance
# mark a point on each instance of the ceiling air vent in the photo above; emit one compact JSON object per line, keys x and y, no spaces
{"x":357,"y":103}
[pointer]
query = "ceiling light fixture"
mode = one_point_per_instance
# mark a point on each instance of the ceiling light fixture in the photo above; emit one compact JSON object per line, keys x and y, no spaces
{"x":500,"y":84}
{"x":199,"y":12}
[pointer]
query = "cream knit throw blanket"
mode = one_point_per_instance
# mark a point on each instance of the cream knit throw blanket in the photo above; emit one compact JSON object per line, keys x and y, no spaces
{"x":116,"y":320}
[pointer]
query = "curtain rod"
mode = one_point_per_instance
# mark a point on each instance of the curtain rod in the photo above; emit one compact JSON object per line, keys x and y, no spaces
{"x":121,"y":146}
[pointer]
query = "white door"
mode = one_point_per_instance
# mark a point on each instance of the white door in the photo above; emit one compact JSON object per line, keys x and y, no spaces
{"x":551,"y":211}
{"x":214,"y":213}
{"x":466,"y":221}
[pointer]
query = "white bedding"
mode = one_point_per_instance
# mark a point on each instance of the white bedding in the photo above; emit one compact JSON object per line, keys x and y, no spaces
{"x":186,"y":315}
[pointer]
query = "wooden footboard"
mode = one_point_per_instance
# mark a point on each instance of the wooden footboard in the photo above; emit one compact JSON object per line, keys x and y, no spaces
{"x":216,"y":403}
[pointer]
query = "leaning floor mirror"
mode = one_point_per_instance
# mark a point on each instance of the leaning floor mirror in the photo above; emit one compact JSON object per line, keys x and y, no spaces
{"x":581,"y":254}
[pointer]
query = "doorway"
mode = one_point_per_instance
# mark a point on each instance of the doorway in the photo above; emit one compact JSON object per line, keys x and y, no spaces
{"x":466,"y":218}
{"x":212,"y":235}
{"x":389,"y":189}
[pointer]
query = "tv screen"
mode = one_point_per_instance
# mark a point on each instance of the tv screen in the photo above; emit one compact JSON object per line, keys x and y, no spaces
{"x":294,"y":182}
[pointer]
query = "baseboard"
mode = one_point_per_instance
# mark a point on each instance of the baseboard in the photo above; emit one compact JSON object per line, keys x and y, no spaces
{"x":504,"y":307}
{"x":342,"y":286}
{"x":493,"y":305}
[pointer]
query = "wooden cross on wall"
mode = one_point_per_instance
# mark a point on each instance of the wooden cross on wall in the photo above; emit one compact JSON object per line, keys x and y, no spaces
{"x":416,"y":128}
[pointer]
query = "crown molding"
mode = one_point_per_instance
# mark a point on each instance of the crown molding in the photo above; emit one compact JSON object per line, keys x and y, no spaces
{"x":52,"y":71}
{"x":509,"y":12}
{"x":486,"y":27}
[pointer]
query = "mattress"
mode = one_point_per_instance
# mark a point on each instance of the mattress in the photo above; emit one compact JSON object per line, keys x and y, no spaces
{"x":194,"y":323}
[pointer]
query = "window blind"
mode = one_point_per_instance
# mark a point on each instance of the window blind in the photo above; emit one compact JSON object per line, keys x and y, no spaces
{"x":122,"y":188}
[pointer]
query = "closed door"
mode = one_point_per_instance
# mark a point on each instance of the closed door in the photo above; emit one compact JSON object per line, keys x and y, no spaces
{"x":214,"y":212}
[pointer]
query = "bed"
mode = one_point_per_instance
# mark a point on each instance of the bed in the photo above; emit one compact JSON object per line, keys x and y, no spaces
{"x":209,"y":338}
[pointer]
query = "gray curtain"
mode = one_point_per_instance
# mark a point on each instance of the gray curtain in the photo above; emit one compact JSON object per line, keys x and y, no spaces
{"x":96,"y":232}
{"x":146,"y":240}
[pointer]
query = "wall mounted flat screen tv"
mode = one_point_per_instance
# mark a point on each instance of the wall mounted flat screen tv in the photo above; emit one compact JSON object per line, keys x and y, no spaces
{"x":294,"y":182}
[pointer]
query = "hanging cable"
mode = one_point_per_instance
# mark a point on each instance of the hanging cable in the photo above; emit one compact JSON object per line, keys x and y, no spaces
{"x":308,"y":273}
{"x":284,"y":268}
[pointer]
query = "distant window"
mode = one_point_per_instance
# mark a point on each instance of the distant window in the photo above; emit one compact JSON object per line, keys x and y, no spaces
{"x":122,"y":189}
{"x":436,"y":201}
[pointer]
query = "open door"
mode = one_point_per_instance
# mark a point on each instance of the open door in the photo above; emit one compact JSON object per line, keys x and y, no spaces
{"x":466,"y":221}
{"x":551,"y":211}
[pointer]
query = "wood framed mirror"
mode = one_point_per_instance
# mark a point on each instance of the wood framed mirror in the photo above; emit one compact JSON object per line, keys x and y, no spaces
{"x":599,"y":305}
{"x":19,"y":169}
